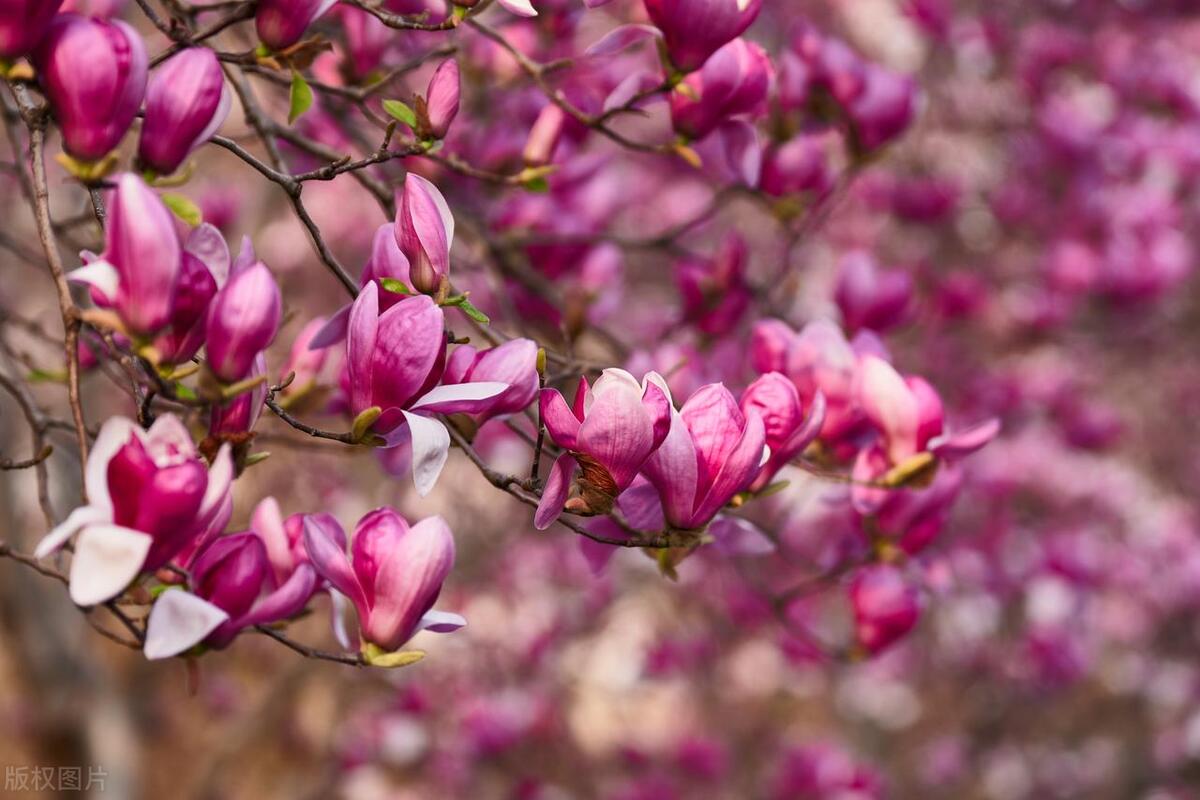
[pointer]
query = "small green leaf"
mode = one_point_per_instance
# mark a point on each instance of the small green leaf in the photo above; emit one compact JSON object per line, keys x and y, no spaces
{"x":46,"y":376}
{"x":401,"y":112}
{"x":302,"y":97}
{"x":184,"y":208}
{"x":473,"y":312}
{"x":393,"y":285}
{"x":184,"y":392}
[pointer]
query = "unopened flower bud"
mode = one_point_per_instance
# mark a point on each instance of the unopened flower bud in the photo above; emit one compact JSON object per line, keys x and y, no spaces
{"x":186,"y":102}
{"x":242,"y":321}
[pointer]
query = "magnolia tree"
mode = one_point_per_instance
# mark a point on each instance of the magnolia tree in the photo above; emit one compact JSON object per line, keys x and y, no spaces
{"x":659,"y":351}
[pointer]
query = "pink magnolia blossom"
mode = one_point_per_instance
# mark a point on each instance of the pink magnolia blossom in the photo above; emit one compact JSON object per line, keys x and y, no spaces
{"x":150,"y":496}
{"x":23,"y":23}
{"x":393,"y":575}
{"x":695,"y":29}
{"x":609,"y":432}
{"x":712,"y":451}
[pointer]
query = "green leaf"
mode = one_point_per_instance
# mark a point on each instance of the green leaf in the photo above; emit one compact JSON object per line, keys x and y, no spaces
{"x":46,"y":376}
{"x":302,"y":97}
{"x":401,"y":112}
{"x":393,"y":285}
{"x":184,"y":392}
{"x":184,"y":208}
{"x":473,"y":312}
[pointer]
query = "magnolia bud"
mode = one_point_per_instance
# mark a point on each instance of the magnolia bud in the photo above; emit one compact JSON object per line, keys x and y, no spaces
{"x":94,"y":74}
{"x":143,"y":248}
{"x":185,"y":104}
{"x":242,"y":321}
{"x":282,"y":23}
{"x":424,"y":231}
{"x":22,"y":25}
{"x":543,"y":136}
{"x":441,"y":98}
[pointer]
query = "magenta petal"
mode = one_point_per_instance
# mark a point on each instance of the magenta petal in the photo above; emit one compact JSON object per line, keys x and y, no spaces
{"x":716,"y":425}
{"x":561,"y":423}
{"x":330,"y":561}
{"x":891,"y":405}
{"x":620,"y":38}
{"x":558,"y":484}
{"x":285,"y":602}
{"x":658,"y":406}
{"x":598,"y":554}
{"x":361,"y":336}
{"x":735,"y":536}
{"x":964,"y":442}
{"x":410,"y":346}
{"x":743,"y":153}
{"x":408,"y":582}
{"x":333,"y":331}
{"x":738,"y":470}
{"x":673,"y":469}
{"x":436,"y":621}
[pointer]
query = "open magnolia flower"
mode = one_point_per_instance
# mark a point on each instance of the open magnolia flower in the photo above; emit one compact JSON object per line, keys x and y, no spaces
{"x":395,"y":360}
{"x":150,"y":497}
{"x":608,"y":434}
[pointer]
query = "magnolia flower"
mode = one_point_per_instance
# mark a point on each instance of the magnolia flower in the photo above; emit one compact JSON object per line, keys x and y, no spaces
{"x":393,"y":576}
{"x":870,"y":297}
{"x":712,"y":452}
{"x":733,"y":82}
{"x":186,"y":102}
{"x":93,"y":72}
{"x":424,"y":232}
{"x":394,"y":361}
{"x":142,"y":260}
{"x":204,"y":268}
{"x":608,"y":433}
{"x":150,"y":496}
{"x":441,"y":99}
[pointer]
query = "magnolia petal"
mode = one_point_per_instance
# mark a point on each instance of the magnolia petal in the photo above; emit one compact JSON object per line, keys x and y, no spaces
{"x":522,"y":8}
{"x":340,"y":610}
{"x":891,"y":405}
{"x":743,"y":153}
{"x":430,"y":448}
{"x":560,"y":421}
{"x":598,"y":554}
{"x":220,"y":478}
{"x":739,"y":469}
{"x":107,"y":559}
{"x":207,"y":244}
{"x":630,"y":88}
{"x":620,"y":38}
{"x":178,"y":622}
{"x":460,"y":398}
{"x":329,"y":559}
{"x":734,"y":536}
{"x":558,"y":484}
{"x":332,"y":331}
{"x":436,"y":621}
{"x":114,"y":435}
{"x":81,"y":517}
{"x":361,"y":334}
{"x":285,"y":602}
{"x":100,"y":275}
{"x":966,"y":441}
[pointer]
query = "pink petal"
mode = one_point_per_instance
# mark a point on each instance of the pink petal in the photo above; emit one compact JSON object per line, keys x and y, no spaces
{"x":460,"y":398}
{"x":115,"y":434}
{"x":620,"y":38}
{"x":739,"y":537}
{"x":561,"y":423}
{"x":207,"y":244}
{"x":361,"y":336}
{"x":285,"y":602}
{"x":891,"y":405}
{"x":558,"y":484}
{"x":964,"y":442}
{"x":80,"y":518}
{"x":332,"y":331}
{"x":436,"y":621}
{"x":100,"y":275}
{"x":740,"y":468}
{"x":330,"y":561}
{"x":743,"y":154}
{"x":522,"y":8}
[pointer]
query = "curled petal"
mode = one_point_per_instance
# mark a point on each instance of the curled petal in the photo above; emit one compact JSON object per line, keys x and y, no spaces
{"x":964,"y":442}
{"x":522,"y":8}
{"x":558,"y":484}
{"x":460,"y":398}
{"x":561,"y":423}
{"x":178,"y":622}
{"x":100,"y":275}
{"x":285,"y":602}
{"x":436,"y":621}
{"x":107,"y":559}
{"x":734,"y":536}
{"x":430,"y":447}
{"x":621,"y":38}
{"x":329,"y":559}
{"x":80,"y":518}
